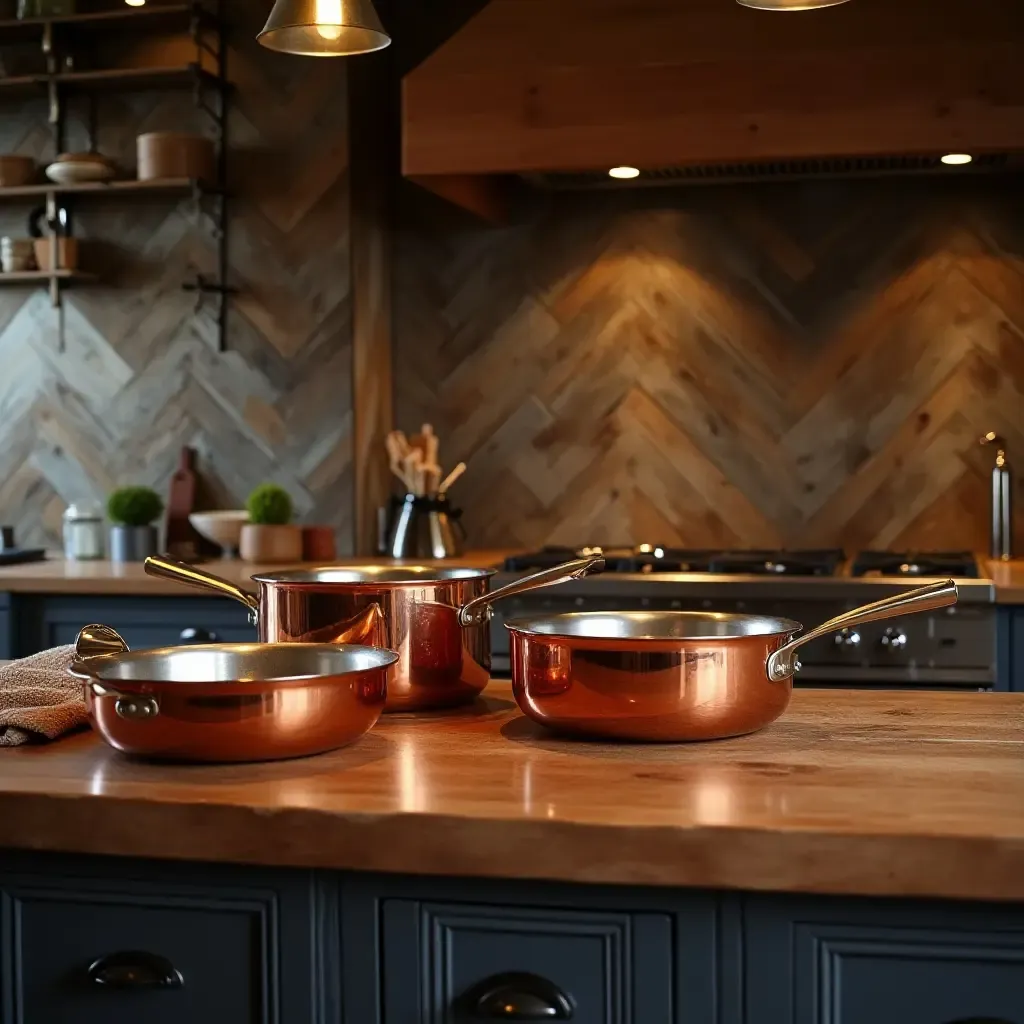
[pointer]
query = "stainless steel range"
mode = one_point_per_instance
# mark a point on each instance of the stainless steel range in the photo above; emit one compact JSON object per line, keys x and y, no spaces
{"x":953,"y":648}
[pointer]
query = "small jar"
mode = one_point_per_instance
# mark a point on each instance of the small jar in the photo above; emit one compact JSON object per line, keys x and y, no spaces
{"x":83,"y":532}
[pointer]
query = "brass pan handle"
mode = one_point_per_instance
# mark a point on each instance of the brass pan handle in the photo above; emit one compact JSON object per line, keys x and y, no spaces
{"x":782,"y":663}
{"x":479,"y":609}
{"x":96,"y":642}
{"x":181,"y":572}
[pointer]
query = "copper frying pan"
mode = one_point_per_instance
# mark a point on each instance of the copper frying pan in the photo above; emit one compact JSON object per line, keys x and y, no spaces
{"x":229,"y":702}
{"x":670,"y":676}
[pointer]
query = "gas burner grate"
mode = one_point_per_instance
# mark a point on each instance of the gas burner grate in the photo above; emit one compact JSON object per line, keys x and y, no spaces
{"x":916,"y":563}
{"x":823,"y":562}
{"x":656,"y":558}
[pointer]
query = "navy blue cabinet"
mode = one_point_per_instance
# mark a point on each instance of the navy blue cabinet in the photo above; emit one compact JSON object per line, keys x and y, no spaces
{"x":86,"y":942}
{"x":1015,"y":654}
{"x":448,"y":962}
{"x":6,"y":632}
{"x":443,"y":951}
{"x":824,"y":961}
{"x":42,"y":621}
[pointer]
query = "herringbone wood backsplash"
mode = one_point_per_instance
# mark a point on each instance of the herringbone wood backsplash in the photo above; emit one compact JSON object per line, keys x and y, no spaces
{"x":798,"y":364}
{"x":141,"y":376}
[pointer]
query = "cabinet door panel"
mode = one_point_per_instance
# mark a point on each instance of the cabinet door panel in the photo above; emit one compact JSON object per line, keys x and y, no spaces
{"x":611,"y":968}
{"x":214,"y":952}
{"x":118,"y":941}
{"x":877,"y":962}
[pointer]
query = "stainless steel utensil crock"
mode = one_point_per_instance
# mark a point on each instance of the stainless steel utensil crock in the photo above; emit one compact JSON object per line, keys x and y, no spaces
{"x":437,"y":619}
{"x":230,"y":702}
{"x":670,"y":676}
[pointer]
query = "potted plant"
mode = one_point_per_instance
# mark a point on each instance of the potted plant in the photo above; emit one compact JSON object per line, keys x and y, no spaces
{"x":269,"y":535}
{"x":131,"y":511}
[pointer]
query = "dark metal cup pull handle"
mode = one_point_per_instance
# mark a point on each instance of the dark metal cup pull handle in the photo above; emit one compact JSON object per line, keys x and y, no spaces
{"x":516,"y":996}
{"x":198,"y":635}
{"x":135,"y":969}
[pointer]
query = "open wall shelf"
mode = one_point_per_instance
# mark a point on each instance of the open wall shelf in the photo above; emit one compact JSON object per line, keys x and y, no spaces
{"x":151,"y":18}
{"x":140,"y":79}
{"x":158,"y":186}
{"x":206,"y":76}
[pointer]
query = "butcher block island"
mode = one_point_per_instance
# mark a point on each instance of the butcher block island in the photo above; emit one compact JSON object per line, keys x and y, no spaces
{"x":860,"y":860}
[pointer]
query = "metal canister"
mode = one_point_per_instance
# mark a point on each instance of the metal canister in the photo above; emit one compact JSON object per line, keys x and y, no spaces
{"x":83,"y":532}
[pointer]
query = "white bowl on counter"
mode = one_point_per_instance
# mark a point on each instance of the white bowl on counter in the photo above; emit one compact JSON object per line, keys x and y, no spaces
{"x":222,"y":527}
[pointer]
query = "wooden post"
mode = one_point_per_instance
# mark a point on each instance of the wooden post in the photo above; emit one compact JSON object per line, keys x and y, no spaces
{"x":374,"y":131}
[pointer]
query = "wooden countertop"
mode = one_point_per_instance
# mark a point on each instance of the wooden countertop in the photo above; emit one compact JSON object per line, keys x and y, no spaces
{"x":851,"y":792}
{"x":56,"y":576}
{"x":1008,"y":578}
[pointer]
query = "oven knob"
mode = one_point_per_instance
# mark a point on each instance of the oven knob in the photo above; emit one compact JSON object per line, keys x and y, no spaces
{"x":894,"y":639}
{"x":847,"y":638}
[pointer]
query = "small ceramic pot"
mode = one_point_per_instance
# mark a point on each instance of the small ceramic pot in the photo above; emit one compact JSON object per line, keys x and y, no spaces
{"x":318,"y":544}
{"x":271,"y":544}
{"x":132,"y":543}
{"x":67,"y":253}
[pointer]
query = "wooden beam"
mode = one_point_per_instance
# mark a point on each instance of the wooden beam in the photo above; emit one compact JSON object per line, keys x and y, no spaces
{"x":706,"y":81}
{"x":489,"y":197}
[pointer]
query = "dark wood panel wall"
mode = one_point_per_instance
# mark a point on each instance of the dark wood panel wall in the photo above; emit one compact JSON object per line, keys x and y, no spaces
{"x":141,"y":375}
{"x":804,"y":364}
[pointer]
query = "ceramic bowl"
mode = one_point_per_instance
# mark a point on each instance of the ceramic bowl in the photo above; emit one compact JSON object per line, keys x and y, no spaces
{"x":74,"y":168}
{"x":223,"y":527}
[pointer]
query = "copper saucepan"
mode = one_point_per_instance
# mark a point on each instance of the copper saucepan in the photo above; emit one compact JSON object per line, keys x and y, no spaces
{"x":437,"y":619}
{"x":670,"y":676}
{"x":230,"y":702}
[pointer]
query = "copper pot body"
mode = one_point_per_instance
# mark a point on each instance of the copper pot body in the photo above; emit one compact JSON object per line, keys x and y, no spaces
{"x":653,"y":690}
{"x":672,"y":676}
{"x":230,"y":702}
{"x":437,"y":620}
{"x":441,"y":663}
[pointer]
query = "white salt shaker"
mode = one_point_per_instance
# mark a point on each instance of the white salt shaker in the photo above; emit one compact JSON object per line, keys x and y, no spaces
{"x":83,"y":532}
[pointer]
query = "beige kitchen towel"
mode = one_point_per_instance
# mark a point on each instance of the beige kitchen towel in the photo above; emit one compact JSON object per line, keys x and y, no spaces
{"x":38,"y":699}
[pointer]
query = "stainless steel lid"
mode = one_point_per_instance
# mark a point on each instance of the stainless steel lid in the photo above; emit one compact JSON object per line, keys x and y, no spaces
{"x":390,"y":575}
{"x":658,"y":625}
{"x":233,"y":663}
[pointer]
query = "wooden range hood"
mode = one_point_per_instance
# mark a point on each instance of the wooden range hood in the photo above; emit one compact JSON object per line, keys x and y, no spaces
{"x":531,"y":86}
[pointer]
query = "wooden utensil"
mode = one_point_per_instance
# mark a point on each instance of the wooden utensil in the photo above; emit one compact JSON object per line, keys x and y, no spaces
{"x":413,"y":463}
{"x":451,"y":478}
{"x":396,"y":456}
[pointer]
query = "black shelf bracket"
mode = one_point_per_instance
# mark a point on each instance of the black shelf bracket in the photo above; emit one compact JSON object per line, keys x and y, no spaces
{"x":202,"y":286}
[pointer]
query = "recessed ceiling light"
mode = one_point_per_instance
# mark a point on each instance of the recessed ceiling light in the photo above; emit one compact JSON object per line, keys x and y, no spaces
{"x":957,"y":159}
{"x":135,"y":3}
{"x":790,"y":5}
{"x":624,"y":172}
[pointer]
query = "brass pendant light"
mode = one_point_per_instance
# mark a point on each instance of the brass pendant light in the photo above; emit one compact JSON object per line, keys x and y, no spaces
{"x":324,"y":28}
{"x":790,"y":5}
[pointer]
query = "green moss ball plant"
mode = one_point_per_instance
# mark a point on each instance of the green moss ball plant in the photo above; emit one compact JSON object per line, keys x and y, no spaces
{"x":269,"y":505}
{"x":134,"y":506}
{"x":132,"y":511}
{"x":269,"y":536}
